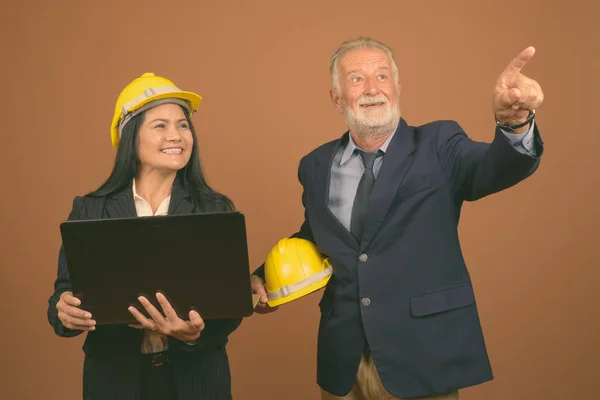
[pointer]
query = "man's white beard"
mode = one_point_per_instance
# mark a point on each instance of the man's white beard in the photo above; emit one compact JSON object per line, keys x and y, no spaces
{"x":372,"y":124}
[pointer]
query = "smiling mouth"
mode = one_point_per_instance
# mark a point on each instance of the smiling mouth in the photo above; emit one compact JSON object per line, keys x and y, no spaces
{"x":380,"y":103}
{"x":172,"y":151}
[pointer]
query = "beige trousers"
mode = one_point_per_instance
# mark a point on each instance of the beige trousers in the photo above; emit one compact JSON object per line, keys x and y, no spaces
{"x":368,"y":386}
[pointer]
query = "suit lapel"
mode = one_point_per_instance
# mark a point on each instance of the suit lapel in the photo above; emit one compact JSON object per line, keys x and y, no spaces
{"x":181,"y":202}
{"x":322,"y":182}
{"x":396,"y":163}
{"x":120,"y":204}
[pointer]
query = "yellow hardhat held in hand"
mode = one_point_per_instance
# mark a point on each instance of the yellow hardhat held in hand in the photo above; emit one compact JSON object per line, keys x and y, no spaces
{"x":294,"y":268}
{"x":142,"y":93}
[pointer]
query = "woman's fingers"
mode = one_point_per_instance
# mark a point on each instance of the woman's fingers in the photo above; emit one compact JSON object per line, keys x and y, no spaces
{"x":167,"y":308}
{"x":196,"y":321}
{"x":153,"y":312}
{"x":76,"y":323}
{"x":71,"y":316}
{"x":141,"y":318}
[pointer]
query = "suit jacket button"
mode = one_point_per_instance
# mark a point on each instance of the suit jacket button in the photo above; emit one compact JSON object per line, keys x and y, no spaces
{"x":363,"y":257}
{"x":365,"y":301}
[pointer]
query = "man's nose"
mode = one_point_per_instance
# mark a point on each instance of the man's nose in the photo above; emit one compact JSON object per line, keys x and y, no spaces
{"x":371,"y":86}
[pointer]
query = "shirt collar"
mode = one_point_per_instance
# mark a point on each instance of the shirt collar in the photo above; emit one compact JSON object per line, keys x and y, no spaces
{"x":135,"y":193}
{"x":143,"y":207}
{"x":137,"y":196}
{"x":351,"y":146}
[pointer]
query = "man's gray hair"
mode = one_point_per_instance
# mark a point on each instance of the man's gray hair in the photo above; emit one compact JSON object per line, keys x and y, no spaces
{"x":358,"y":43}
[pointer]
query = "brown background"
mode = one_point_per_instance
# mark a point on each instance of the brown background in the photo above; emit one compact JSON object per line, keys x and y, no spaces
{"x":261,"y":67}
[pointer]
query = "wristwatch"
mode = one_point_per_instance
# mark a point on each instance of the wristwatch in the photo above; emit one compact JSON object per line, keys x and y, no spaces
{"x":512,"y":128}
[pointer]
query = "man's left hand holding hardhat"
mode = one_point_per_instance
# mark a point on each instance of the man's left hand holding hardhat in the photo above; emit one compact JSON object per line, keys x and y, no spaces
{"x":293,"y":269}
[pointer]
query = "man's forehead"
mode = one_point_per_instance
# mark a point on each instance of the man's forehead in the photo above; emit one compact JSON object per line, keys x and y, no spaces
{"x":365,"y":57}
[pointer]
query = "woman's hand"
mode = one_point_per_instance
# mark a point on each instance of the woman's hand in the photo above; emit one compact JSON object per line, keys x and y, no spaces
{"x":169,"y":324}
{"x":71,"y":316}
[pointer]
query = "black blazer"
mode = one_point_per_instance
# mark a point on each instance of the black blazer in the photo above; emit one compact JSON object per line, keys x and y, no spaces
{"x":404,"y":289}
{"x":112,"y":353}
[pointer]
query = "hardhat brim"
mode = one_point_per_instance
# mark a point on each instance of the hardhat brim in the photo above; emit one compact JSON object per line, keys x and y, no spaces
{"x":300,"y":293}
{"x":192,"y":98}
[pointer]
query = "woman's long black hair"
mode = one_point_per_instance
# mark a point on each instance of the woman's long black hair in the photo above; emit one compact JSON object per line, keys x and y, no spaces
{"x":191,"y":176}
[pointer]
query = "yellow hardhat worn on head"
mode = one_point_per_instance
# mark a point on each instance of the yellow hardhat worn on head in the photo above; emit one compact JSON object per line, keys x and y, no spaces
{"x":142,"y":93}
{"x":294,"y":268}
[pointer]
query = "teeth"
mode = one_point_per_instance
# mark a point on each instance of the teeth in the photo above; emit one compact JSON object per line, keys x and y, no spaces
{"x":172,"y":151}
{"x":372,"y":104}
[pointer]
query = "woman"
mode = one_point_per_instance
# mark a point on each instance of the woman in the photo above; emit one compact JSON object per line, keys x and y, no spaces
{"x":156,"y":172}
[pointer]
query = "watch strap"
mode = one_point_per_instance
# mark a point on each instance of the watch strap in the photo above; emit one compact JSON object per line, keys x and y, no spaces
{"x":512,"y":128}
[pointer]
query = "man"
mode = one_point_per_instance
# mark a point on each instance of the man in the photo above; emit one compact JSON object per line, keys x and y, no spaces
{"x":399,"y":317}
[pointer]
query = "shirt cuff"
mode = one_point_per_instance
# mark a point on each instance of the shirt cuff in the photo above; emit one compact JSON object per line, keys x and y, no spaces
{"x":522,"y":142}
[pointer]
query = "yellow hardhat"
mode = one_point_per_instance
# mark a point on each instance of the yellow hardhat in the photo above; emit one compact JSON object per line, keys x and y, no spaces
{"x":140,"y":92}
{"x":294,"y":268}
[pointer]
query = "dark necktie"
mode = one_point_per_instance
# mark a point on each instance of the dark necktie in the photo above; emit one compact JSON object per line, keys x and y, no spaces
{"x":363,"y":193}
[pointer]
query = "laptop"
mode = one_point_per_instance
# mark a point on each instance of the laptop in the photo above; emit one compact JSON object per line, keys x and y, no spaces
{"x":198,"y":261}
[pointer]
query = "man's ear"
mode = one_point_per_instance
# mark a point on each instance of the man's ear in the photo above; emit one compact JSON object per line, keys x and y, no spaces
{"x":336,"y":100}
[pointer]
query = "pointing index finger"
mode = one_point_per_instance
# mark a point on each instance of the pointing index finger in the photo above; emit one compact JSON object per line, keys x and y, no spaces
{"x":513,"y":69}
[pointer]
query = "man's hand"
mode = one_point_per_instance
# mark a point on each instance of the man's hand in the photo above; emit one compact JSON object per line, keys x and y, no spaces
{"x":258,"y":287}
{"x":515,"y":95}
{"x":169,"y":324}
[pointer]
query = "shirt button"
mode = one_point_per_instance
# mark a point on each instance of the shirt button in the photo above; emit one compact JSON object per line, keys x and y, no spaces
{"x":363,"y":257}
{"x":517,"y":144}
{"x":365,"y":301}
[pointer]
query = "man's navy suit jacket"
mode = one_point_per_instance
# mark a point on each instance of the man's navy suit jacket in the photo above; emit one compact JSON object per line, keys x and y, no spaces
{"x":404,"y":290}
